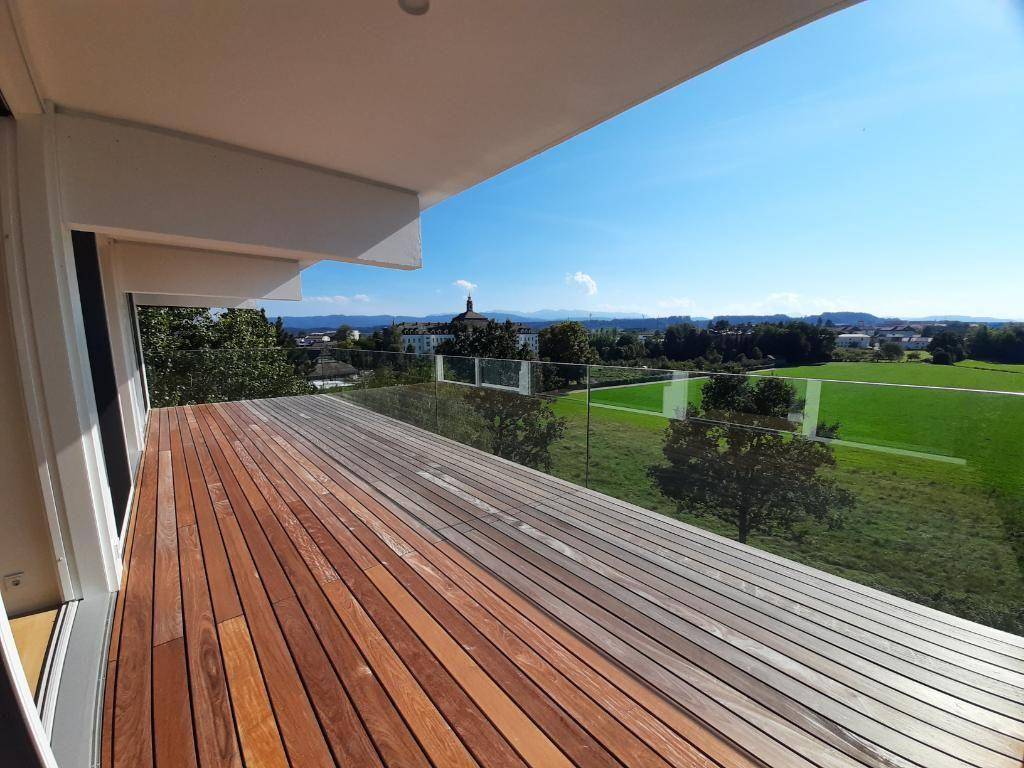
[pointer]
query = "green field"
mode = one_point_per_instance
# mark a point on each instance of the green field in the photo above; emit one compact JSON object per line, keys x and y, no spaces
{"x":948,"y":535}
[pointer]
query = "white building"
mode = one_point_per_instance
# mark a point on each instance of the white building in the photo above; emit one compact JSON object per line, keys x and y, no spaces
{"x":424,"y":338}
{"x":917,"y":342}
{"x":853,"y":341}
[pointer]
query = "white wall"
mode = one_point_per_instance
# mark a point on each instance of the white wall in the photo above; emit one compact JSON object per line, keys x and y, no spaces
{"x":24,"y":533}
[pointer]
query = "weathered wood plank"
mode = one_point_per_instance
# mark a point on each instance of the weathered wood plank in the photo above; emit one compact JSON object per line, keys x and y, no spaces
{"x":173,"y":732}
{"x":257,"y":728}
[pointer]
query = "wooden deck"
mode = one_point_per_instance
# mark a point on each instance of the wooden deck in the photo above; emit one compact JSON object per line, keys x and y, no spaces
{"x":312,"y":584}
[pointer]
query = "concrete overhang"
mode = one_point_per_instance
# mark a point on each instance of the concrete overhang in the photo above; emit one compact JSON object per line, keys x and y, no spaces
{"x":432,"y":104}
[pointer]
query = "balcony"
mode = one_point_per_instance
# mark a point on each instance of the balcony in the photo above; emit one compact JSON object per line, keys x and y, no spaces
{"x":312,"y":581}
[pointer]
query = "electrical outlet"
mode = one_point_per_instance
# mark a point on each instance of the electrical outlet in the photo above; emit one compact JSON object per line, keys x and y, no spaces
{"x":13,"y":580}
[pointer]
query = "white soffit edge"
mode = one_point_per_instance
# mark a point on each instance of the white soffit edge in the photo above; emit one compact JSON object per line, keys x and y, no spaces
{"x":434,"y":103}
{"x":142,"y":184}
{"x":148,"y":268}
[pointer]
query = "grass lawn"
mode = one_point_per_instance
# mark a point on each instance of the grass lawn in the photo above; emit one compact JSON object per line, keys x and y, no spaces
{"x":970,"y":374}
{"x":985,"y":365}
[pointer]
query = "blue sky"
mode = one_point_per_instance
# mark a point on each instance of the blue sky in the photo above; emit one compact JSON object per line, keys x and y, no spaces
{"x":872,"y":161}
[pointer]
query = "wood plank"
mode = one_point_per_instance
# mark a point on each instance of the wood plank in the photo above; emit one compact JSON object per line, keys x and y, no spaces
{"x":173,"y":734}
{"x":167,"y":623}
{"x":271,"y":573}
{"x":223,"y":593}
{"x":216,"y":741}
{"x":481,"y":738}
{"x":616,"y":742}
{"x":354,"y":590}
{"x":430,"y":727}
{"x":345,"y":731}
{"x":527,"y":739}
{"x":390,"y":734}
{"x":299,"y":727}
{"x":126,"y":556}
{"x":257,"y":729}
{"x":722,"y":717}
{"x":183,"y":506}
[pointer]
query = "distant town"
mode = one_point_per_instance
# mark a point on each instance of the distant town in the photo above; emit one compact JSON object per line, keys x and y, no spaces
{"x":428,"y":335}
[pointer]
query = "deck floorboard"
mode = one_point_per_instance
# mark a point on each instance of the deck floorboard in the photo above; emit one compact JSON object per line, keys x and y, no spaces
{"x":309,"y":583}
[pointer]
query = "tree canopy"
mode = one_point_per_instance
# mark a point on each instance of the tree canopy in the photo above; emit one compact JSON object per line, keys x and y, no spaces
{"x":195,"y":356}
{"x":730,"y":460}
{"x":567,"y":342}
{"x":494,"y":340}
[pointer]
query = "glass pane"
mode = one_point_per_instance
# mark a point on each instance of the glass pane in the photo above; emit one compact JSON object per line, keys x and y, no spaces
{"x":395,"y":384}
{"x":914,"y":490}
{"x":519,"y":411}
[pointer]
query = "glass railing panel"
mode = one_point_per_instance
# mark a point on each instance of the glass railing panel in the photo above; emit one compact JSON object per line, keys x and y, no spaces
{"x":936,"y":480}
{"x":916,"y":491}
{"x":518,"y":411}
{"x":398,"y":385}
{"x":219,"y":375}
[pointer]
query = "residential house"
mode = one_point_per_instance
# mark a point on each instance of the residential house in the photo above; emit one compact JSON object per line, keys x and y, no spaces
{"x":853,"y":341}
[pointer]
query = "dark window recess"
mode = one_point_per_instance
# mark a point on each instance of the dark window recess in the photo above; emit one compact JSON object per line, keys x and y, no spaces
{"x":101,"y":364}
{"x":15,"y":741}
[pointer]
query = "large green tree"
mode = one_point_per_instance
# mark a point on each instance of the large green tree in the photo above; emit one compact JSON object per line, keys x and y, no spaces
{"x":567,"y":342}
{"x":517,"y":428}
{"x":495,"y":340}
{"x":196,"y":356}
{"x":730,"y":460}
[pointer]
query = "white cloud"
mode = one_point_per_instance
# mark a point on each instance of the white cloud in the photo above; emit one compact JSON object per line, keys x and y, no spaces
{"x":362,"y":298}
{"x":328,"y":299}
{"x":585,"y":282}
{"x":465,"y":285}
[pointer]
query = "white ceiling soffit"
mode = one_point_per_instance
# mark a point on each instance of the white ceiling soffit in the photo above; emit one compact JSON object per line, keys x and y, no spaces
{"x":432,"y":103}
{"x":152,"y":268}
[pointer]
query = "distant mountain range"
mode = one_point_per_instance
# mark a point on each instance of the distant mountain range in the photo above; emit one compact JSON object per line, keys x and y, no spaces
{"x":595,"y":320}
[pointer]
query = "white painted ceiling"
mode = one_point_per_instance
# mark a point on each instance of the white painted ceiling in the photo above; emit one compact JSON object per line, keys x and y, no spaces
{"x":432,"y":103}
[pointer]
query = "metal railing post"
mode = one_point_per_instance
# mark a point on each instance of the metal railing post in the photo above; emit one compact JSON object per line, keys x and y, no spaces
{"x":586,"y":469}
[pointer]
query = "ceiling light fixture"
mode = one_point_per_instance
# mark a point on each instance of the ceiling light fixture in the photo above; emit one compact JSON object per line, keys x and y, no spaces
{"x":414,"y":7}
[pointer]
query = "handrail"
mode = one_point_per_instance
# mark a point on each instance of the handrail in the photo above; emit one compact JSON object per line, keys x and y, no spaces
{"x":669,"y":371}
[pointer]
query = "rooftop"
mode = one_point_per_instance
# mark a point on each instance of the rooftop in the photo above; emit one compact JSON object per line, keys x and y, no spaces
{"x":323,"y":584}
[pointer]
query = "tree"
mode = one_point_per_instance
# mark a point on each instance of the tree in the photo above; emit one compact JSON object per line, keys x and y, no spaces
{"x":566,"y":342}
{"x":950,"y":345}
{"x":1001,"y":345}
{"x":520,"y":429}
{"x":890,"y":350}
{"x":343,"y":336}
{"x":494,"y":340}
{"x":195,"y":356}
{"x":752,"y":475}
